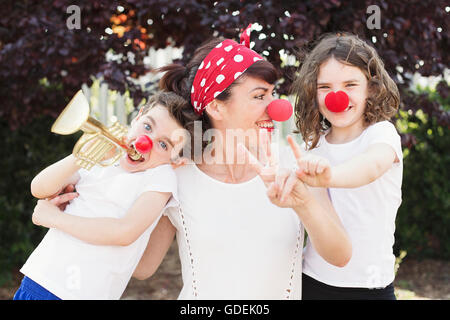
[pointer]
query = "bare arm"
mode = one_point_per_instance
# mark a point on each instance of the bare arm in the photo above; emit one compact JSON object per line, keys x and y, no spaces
{"x":364,"y":168}
{"x":325,"y":230}
{"x":314,"y":208}
{"x":157,"y":247}
{"x":356,"y":172}
{"x":105,"y":231}
{"x":55,"y":177}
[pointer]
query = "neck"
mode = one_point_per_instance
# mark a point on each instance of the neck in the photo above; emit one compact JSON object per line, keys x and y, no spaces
{"x":347,"y":134}
{"x":222,"y":161}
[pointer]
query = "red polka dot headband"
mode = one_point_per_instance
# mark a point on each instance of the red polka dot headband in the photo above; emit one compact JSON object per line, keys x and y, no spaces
{"x":224,"y":64}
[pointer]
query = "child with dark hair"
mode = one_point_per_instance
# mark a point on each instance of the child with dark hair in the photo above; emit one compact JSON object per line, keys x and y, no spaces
{"x":93,"y":247}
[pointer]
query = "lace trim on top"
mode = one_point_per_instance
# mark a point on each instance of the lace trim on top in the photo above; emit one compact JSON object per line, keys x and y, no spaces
{"x":188,"y":245}
{"x":296,"y":253}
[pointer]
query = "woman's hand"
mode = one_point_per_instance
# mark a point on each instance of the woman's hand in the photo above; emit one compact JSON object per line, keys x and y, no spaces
{"x":284,"y":188}
{"x":63,"y":197}
{"x":312,"y":205}
{"x":45,"y":213}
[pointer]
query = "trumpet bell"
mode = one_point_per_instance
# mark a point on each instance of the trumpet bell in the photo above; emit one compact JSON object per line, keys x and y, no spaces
{"x":73,"y":116}
{"x":98,"y":141}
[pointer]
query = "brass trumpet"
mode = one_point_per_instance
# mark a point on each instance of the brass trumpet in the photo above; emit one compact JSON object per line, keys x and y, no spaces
{"x":97,"y":140}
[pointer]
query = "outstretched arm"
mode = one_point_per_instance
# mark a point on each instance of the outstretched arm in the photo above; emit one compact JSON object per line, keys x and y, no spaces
{"x":105,"y":231}
{"x":356,"y":172}
{"x":364,"y":168}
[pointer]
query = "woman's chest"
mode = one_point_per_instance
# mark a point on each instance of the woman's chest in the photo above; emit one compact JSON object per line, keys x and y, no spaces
{"x":242,"y":218}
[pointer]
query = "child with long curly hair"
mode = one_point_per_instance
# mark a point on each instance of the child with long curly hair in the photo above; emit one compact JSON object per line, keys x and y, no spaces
{"x":344,"y":101}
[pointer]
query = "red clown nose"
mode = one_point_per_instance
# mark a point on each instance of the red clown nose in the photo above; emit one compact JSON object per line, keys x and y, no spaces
{"x":336,"y":102}
{"x":143,"y":144}
{"x":279,"y":110}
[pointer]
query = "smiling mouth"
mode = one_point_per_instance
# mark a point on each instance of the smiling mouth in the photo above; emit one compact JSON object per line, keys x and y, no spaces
{"x":265,"y":124}
{"x":345,"y":110}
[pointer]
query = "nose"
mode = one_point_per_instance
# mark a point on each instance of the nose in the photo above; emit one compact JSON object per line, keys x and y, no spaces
{"x":143,"y":144}
{"x":280,"y":110}
{"x":336,"y":101}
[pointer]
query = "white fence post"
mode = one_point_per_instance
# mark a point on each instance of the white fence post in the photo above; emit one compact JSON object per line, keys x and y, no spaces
{"x":103,"y":103}
{"x":104,"y":111}
{"x":119,"y":109}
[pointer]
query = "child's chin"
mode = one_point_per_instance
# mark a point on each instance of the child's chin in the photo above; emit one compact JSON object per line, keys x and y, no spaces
{"x":345,"y":121}
{"x":129,"y":166}
{"x":341,"y":123}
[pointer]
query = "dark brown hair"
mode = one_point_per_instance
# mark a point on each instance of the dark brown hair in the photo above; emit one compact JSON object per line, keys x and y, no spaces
{"x":383,"y":97}
{"x":179,"y":79}
{"x":175,"y":104}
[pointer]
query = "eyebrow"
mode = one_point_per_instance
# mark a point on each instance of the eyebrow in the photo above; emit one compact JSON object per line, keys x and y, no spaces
{"x":168,"y":140}
{"x":346,"y":81}
{"x":351,"y":80}
{"x":164,"y":137}
{"x":259,"y":88}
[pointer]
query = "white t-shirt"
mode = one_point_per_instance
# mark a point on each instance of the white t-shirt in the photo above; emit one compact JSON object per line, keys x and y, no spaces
{"x":74,"y":269}
{"x":233,"y":242}
{"x":367,"y":213}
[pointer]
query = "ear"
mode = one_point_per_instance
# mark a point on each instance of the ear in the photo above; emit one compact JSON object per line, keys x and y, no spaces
{"x":179,"y":162}
{"x":215,"y":109}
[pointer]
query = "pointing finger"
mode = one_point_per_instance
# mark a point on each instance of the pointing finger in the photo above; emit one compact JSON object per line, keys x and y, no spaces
{"x":295,"y":147}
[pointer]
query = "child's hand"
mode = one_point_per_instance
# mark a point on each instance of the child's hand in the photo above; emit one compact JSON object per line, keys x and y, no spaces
{"x":314,"y":170}
{"x":63,"y":197}
{"x":45,"y":213}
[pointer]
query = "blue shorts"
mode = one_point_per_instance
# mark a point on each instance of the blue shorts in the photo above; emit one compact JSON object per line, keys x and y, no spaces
{"x":30,"y":290}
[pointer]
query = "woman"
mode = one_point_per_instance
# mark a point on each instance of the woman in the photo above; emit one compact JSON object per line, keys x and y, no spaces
{"x":237,"y":239}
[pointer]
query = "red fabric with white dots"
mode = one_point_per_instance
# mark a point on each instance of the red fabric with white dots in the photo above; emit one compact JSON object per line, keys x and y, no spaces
{"x":224,"y":64}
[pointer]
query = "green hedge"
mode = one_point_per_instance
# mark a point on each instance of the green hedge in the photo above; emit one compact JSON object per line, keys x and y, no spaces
{"x":25,"y":152}
{"x":423,"y":219}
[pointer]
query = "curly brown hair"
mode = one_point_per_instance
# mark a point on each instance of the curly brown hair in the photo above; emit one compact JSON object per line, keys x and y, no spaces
{"x":383,"y":97}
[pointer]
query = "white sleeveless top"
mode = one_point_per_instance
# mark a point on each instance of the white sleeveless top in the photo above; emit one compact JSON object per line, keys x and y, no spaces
{"x":233,"y":242}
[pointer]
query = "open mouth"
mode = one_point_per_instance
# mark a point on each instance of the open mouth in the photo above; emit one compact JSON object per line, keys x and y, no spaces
{"x":265,"y":124}
{"x":133,"y":155}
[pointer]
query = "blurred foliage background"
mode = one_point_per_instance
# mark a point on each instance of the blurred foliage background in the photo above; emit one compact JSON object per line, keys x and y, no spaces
{"x":43,"y":63}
